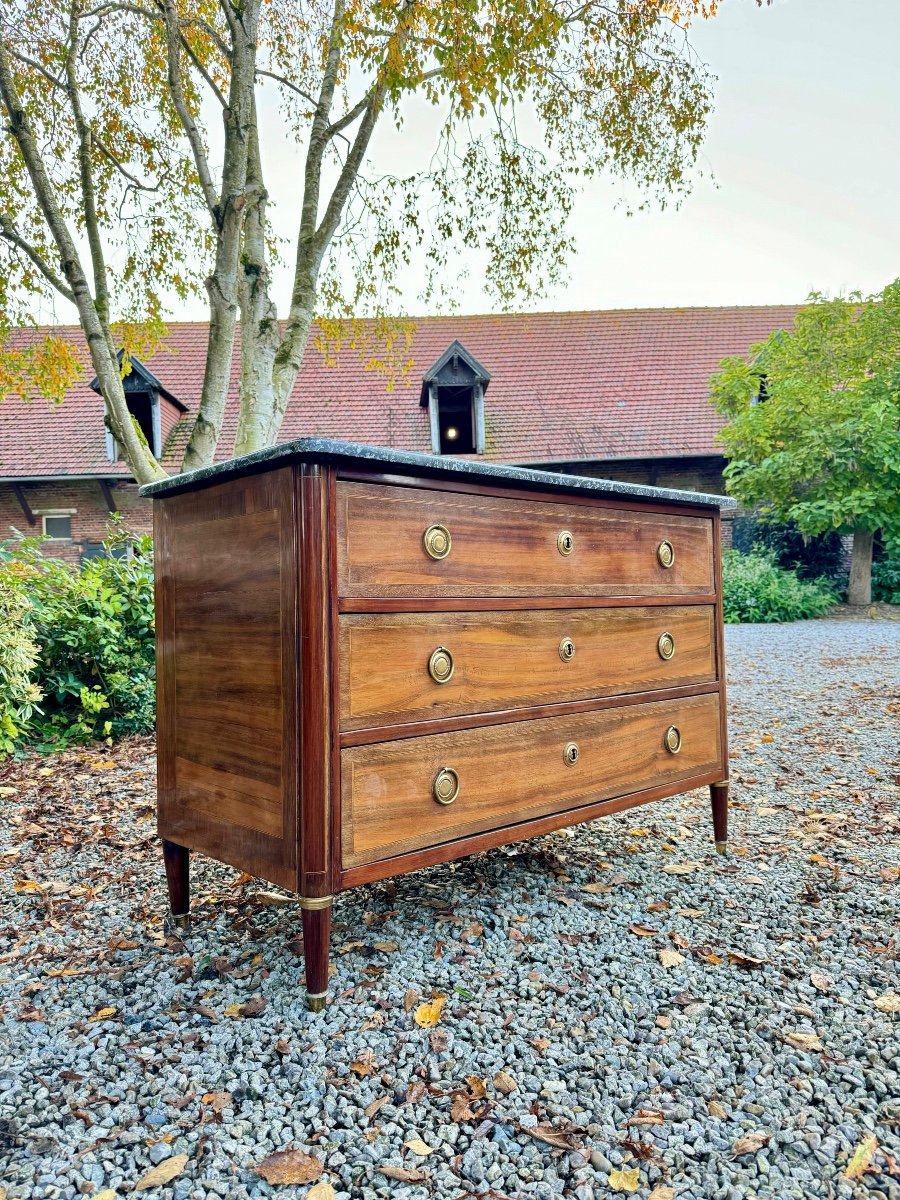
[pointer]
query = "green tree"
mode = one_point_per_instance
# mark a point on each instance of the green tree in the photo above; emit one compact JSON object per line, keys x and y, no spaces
{"x":813,"y":431}
{"x":130,"y":163}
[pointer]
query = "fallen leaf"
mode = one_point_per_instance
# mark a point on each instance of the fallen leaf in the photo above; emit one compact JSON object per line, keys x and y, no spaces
{"x":168,"y":1169}
{"x":253,"y":1007}
{"x":217,"y":1100}
{"x":410,"y":997}
{"x":801,"y":1040}
{"x":647,"y":1116}
{"x":677,"y":940}
{"x":371,"y":1109}
{"x":477,"y":1087}
{"x":459,"y":1110}
{"x":716,"y":1109}
{"x":890,"y":874}
{"x":429,"y":1013}
{"x":417,"y":1146}
{"x":289,"y":1166}
{"x":664,"y":1022}
{"x":642,"y":930}
{"x":321,"y":1191}
{"x":387,"y":947}
{"x":681,"y":868}
{"x":661,"y":1192}
{"x":596,"y":889}
{"x":705,"y":954}
{"x":282,"y":1047}
{"x":862,"y":1156}
{"x":562,"y":1138}
{"x":106,"y":1194}
{"x":820,"y":982}
{"x":747,"y":961}
{"x":403,"y":1174}
{"x":102,"y":1014}
{"x":889,"y":1002}
{"x":364,"y":1064}
{"x":505,"y":1084}
{"x":670,"y":958}
{"x":541,"y":1044}
{"x":750,"y":1143}
{"x":658,"y":906}
{"x":625,"y":1179}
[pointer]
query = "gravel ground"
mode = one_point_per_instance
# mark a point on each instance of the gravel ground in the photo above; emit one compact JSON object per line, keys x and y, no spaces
{"x":569,"y":1059}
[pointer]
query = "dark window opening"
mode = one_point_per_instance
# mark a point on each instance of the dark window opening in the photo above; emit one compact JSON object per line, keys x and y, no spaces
{"x":762,"y":393}
{"x":456,"y":420}
{"x":58,"y":527}
{"x":141,"y":408}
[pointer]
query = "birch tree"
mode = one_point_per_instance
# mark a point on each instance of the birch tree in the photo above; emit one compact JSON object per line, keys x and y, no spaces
{"x":132,"y":168}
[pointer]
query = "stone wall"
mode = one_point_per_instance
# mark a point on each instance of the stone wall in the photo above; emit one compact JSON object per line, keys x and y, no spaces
{"x":84,"y":501}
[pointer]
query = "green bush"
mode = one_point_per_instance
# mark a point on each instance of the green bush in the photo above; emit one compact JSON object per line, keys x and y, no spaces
{"x":93,"y":630}
{"x":19,"y":694}
{"x":755,"y":589}
{"x":886,"y":573}
{"x":810,"y":557}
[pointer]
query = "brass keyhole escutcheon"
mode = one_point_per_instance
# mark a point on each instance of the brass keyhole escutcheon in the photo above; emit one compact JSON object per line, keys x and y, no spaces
{"x":438,"y":542}
{"x":445,"y":786}
{"x":673,"y":739}
{"x":565,"y":543}
{"x":571,"y":754}
{"x":666,"y":646}
{"x":567,"y":649}
{"x":440,"y":665}
{"x":665,"y":553}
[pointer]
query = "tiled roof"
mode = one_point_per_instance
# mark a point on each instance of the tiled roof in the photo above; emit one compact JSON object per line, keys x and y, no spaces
{"x":630,"y":383}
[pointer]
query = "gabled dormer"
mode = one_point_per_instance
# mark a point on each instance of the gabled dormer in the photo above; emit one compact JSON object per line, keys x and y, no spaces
{"x":453,"y":391}
{"x":151,"y":404}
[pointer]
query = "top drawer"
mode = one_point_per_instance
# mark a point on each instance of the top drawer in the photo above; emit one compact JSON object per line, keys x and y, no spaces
{"x":503,"y":547}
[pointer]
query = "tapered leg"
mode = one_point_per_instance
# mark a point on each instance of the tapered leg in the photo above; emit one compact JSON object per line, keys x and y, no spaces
{"x":177,"y":859}
{"x":719,"y":794}
{"x":316,"y":912}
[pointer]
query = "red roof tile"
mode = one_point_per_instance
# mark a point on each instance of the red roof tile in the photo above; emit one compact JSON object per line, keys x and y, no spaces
{"x":629,"y":383}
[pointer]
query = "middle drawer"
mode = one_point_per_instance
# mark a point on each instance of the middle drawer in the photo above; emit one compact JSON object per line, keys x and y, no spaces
{"x":396,"y":668}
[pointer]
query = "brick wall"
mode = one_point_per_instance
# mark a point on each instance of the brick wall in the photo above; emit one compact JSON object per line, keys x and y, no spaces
{"x":84,"y":499}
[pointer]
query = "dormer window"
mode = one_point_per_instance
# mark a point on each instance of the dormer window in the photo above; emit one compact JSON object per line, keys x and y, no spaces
{"x":453,"y":391}
{"x":152,"y":405}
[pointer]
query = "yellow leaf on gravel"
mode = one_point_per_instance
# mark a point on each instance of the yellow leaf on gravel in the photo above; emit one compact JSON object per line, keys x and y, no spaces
{"x":417,"y":1146}
{"x":7,"y":791}
{"x":670,"y":958}
{"x":661,"y":1192}
{"x":862,"y":1156}
{"x":624,"y":1179}
{"x":681,"y":868}
{"x":889,"y":1002}
{"x":801,"y":1040}
{"x":167,"y":1170}
{"x":321,"y":1191}
{"x":429,"y":1013}
{"x":233,"y":1010}
{"x":102,"y":1014}
{"x":106,"y":1194}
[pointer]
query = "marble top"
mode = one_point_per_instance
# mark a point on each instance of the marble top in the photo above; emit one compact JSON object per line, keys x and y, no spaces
{"x":333,"y":450}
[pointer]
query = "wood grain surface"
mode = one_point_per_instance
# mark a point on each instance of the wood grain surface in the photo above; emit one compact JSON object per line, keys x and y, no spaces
{"x":511,"y":773}
{"x":504,"y":547}
{"x":503,"y":660}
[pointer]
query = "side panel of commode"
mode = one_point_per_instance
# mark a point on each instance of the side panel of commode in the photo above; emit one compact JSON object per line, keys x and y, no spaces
{"x":227,"y":663}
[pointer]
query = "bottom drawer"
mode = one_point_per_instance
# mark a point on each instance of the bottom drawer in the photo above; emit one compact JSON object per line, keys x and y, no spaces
{"x":502,"y":774}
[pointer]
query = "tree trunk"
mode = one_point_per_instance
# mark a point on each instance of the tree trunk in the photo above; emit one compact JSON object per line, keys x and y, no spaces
{"x":860,"y":589}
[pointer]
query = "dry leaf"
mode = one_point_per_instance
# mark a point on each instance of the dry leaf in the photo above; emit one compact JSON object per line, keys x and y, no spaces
{"x":647,"y":1116}
{"x":747,"y":961}
{"x":541,"y":1044}
{"x":801,"y":1040}
{"x":658,"y":906}
{"x":750,"y":1143}
{"x":403,"y":1174}
{"x":819,"y":981}
{"x":717,"y":1110}
{"x":417,"y":1146}
{"x":862,"y":1156}
{"x":459,"y":1109}
{"x":681,"y":868}
{"x":890,"y":874}
{"x":624,"y":1179}
{"x":387,"y":947}
{"x":253,"y":1007}
{"x":371,"y":1109}
{"x":289,"y":1166}
{"x":102,"y":1014}
{"x":106,"y":1194}
{"x":410,"y":996}
{"x":321,"y":1191}
{"x":364,"y":1064}
{"x":661,"y":1192}
{"x":429,"y":1013}
{"x":670,"y":958}
{"x":596,"y":889}
{"x":705,"y":954}
{"x":477,"y":1087}
{"x":168,"y":1169}
{"x":889,"y":1002}
{"x":562,"y":1138}
{"x":505,"y":1084}
{"x":217,"y":1100}
{"x":642,"y":930}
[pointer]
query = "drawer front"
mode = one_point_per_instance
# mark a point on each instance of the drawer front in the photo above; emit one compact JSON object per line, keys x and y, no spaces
{"x":393,"y":667}
{"x":501,"y":547}
{"x":514,"y":772}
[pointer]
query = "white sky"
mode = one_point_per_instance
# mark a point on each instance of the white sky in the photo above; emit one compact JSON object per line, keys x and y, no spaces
{"x":804,"y":146}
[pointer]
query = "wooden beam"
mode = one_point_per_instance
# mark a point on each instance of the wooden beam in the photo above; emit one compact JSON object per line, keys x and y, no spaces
{"x":23,"y":504}
{"x":107,"y":495}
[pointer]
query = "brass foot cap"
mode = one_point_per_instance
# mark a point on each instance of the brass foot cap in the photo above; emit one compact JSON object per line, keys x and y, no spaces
{"x":316,"y":1003}
{"x":721,"y":847}
{"x":182,"y":921}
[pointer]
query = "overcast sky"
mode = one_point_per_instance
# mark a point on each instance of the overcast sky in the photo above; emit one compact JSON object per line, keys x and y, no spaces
{"x":804,"y":147}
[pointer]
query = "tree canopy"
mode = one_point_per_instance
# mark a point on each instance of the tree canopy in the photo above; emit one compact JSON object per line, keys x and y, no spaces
{"x":131,"y":167}
{"x":813,"y":431}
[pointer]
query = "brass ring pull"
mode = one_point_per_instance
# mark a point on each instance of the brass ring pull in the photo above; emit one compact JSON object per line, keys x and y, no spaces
{"x":571,"y":754}
{"x":445,"y":786}
{"x":441,"y":665}
{"x":673,"y":739}
{"x":666,"y":646}
{"x":665,"y":553}
{"x":567,"y":649}
{"x":437,"y":541}
{"x":565,"y":543}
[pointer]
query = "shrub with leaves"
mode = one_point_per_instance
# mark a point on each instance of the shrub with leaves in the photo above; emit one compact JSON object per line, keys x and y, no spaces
{"x":755,"y":589}
{"x":886,"y":573}
{"x":19,"y":694}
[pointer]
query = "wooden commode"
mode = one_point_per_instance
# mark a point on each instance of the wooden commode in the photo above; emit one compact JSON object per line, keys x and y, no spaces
{"x":346,"y":636}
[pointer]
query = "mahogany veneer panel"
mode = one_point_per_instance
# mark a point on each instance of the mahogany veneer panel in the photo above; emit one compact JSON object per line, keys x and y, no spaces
{"x":510,"y":773}
{"x":504,"y":547}
{"x":512,"y":659}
